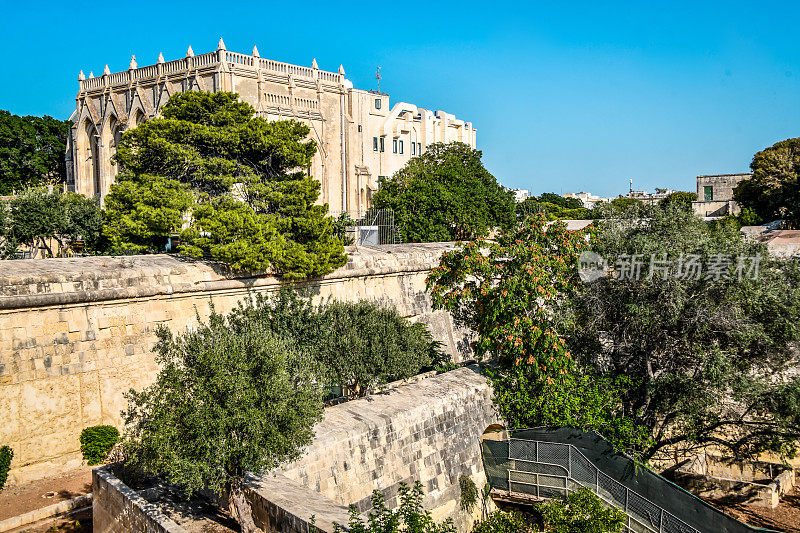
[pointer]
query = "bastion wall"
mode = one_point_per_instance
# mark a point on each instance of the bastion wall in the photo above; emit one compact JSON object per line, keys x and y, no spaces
{"x":77,"y":333}
{"x":427,"y":431}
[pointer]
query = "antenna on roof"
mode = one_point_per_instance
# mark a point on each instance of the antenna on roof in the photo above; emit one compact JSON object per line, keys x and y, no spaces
{"x":378,"y":77}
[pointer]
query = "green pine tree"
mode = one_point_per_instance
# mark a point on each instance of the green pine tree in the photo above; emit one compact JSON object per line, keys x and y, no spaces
{"x":232,"y":184}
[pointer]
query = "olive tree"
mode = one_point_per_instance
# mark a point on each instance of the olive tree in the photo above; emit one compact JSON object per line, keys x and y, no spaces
{"x":231,"y":398}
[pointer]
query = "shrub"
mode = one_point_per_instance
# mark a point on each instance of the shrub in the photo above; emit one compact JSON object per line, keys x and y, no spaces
{"x":581,"y":512}
{"x":353,"y":345}
{"x":504,"y":522}
{"x":410,"y":516}
{"x":6,"y":454}
{"x":96,"y":442}
{"x":469,"y":492}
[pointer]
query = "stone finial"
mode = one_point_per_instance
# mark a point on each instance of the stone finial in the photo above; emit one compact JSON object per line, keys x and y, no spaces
{"x":314,"y":63}
{"x":341,"y":69}
{"x":91,"y":74}
{"x":221,"y":45}
{"x":255,"y":51}
{"x":189,"y":51}
{"x":81,"y":77}
{"x":160,"y":58}
{"x":133,"y":64}
{"x":106,"y":71}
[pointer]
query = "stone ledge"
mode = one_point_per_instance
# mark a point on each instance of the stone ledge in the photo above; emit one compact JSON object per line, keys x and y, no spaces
{"x":281,"y":504}
{"x":48,"y":282}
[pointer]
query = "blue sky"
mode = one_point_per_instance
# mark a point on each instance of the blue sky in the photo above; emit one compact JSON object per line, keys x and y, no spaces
{"x":566,"y":96}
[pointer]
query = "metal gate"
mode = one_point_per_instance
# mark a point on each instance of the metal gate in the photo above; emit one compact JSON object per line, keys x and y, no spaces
{"x":552,"y":469}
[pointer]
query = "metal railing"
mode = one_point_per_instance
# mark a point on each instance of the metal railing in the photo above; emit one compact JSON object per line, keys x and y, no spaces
{"x":551,"y":469}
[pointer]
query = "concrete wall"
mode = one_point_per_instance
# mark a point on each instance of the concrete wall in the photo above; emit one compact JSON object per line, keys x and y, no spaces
{"x":75,"y":334}
{"x":427,"y":431}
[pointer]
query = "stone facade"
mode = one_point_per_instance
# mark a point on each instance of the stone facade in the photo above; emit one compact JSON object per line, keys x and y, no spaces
{"x":76,"y":333}
{"x":715,"y":194}
{"x":359,"y":135}
{"x":427,"y":431}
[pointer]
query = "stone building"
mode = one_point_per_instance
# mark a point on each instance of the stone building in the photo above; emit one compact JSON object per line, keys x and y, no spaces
{"x":715,"y":194}
{"x":360,"y":136}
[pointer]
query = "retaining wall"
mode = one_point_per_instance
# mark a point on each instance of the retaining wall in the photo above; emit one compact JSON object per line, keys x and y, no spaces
{"x":427,"y":431}
{"x":75,"y":334}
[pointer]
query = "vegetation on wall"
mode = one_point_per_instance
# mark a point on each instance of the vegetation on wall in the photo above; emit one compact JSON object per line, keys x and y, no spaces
{"x":409,"y":517}
{"x":55,"y":222}
{"x":357,"y":345}
{"x":31,"y":152}
{"x":231,"y":398}
{"x":774,"y":190}
{"x":96,"y":442}
{"x":235,"y":186}
{"x":469,"y":493}
{"x":6,"y":454}
{"x":445,"y":194}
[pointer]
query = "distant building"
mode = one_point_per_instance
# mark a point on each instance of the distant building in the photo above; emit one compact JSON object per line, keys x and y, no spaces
{"x":521,"y":194}
{"x":589,"y":200}
{"x":650,"y":198}
{"x":715,"y":194}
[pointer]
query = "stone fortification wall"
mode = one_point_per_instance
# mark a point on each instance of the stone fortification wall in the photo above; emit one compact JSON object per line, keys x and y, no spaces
{"x":76,"y":333}
{"x":427,"y":431}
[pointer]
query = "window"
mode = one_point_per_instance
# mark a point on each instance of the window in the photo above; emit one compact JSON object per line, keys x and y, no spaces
{"x":401,"y":146}
{"x":394,"y":146}
{"x":382,"y":147}
{"x":419,"y":148}
{"x":375,"y":144}
{"x":359,"y":128}
{"x":708,"y":193}
{"x":413,"y":148}
{"x":377,"y":103}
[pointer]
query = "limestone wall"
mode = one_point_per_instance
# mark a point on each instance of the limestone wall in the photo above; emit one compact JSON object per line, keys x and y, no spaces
{"x":116,"y":508}
{"x":76,"y":333}
{"x":428,"y":431}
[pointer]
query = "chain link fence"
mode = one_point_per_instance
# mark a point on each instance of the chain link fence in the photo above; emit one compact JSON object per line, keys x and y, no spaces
{"x":372,"y":228}
{"x":551,"y":469}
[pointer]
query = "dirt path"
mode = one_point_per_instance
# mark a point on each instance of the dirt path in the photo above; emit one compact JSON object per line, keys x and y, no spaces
{"x":785,"y":517}
{"x":19,"y":499}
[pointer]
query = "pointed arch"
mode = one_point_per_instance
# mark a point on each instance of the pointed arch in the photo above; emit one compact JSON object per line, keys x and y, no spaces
{"x":112,"y":134}
{"x":88,"y":152}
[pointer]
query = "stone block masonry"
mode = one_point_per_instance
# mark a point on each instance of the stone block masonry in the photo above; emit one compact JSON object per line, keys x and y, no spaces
{"x":77,"y":333}
{"x":427,"y":431}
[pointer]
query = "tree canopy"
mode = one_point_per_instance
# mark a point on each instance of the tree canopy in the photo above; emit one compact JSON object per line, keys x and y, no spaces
{"x":774,"y":190}
{"x":703,"y":323}
{"x":235,"y":186}
{"x":34,"y":218}
{"x":514,"y":292}
{"x":31,"y":151}
{"x":682,"y":198}
{"x":231,"y":398}
{"x":356,"y":345}
{"x":554,"y":207}
{"x":445,"y":194}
